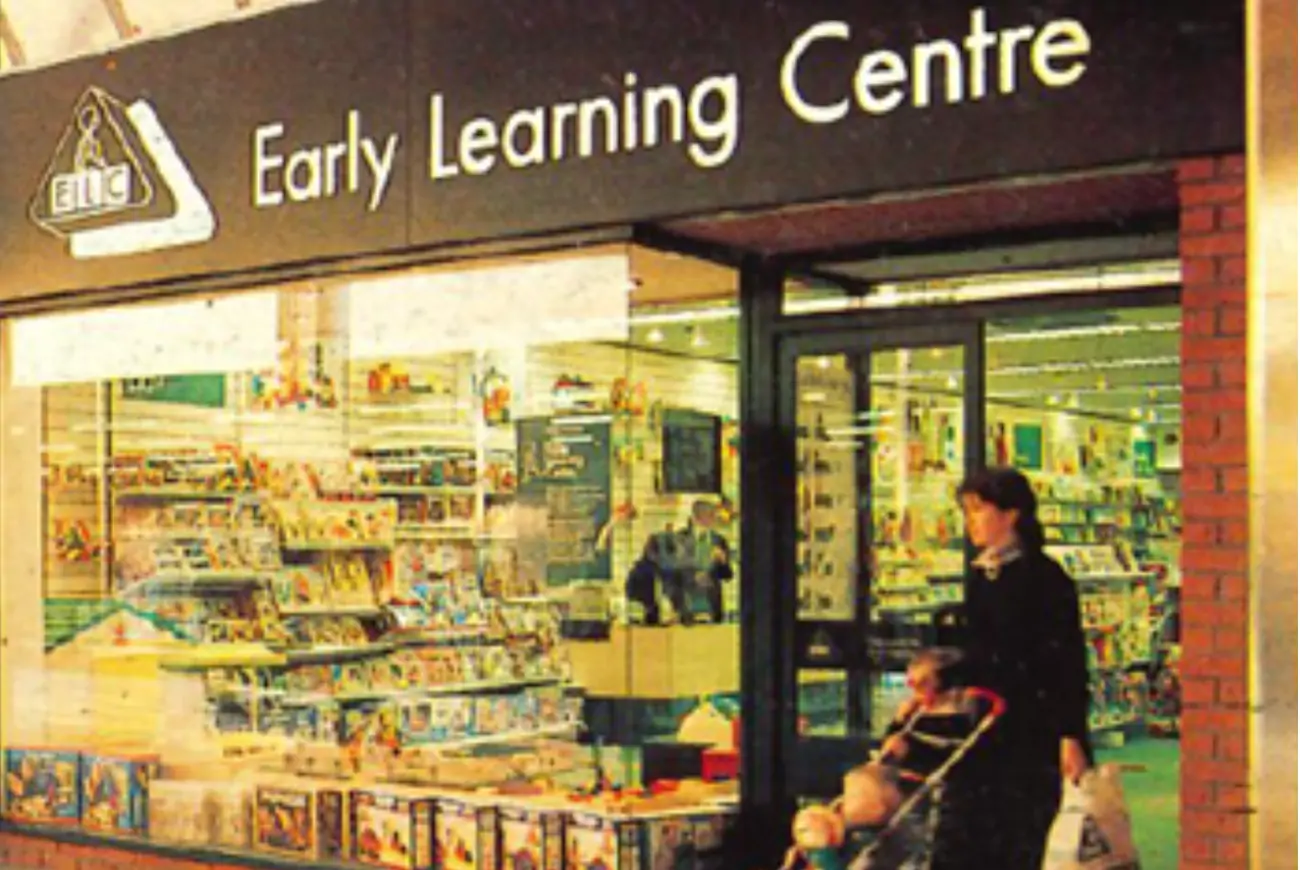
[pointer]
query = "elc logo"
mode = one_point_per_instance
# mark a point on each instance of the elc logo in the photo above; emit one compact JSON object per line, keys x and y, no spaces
{"x":117,"y":185}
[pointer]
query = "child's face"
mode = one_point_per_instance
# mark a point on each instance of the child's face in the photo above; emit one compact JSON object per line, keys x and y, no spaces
{"x":923,"y":680}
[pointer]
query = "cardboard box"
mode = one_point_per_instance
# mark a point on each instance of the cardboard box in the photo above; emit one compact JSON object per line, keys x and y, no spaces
{"x":531,"y":836}
{"x":466,"y":835}
{"x":300,"y":818}
{"x":393,"y":827}
{"x":690,"y":839}
{"x":177,"y":812}
{"x":42,"y":785}
{"x":595,"y":841}
{"x":115,"y":792}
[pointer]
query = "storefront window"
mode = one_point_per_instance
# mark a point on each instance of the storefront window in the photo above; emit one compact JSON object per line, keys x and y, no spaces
{"x":429,"y":529}
{"x":1089,"y":406}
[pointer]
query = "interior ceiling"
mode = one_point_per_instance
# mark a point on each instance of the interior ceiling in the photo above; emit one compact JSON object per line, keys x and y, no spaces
{"x":1113,"y":198}
{"x":40,"y":32}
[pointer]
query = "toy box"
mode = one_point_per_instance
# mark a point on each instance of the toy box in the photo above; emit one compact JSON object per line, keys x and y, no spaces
{"x":177,"y":813}
{"x":42,"y":785}
{"x":531,"y":836}
{"x":466,"y":835}
{"x":593,"y":841}
{"x":433,"y":720}
{"x":115,"y":792}
{"x":685,"y":839}
{"x":300,"y":818}
{"x":393,"y":827}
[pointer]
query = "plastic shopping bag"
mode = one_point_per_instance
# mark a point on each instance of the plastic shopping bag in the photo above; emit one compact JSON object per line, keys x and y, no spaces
{"x":1092,"y":829}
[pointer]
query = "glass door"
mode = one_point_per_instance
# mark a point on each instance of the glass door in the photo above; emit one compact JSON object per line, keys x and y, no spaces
{"x":883,"y":430}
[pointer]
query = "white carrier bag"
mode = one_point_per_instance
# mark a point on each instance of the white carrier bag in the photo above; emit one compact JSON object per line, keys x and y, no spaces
{"x":1092,"y":829}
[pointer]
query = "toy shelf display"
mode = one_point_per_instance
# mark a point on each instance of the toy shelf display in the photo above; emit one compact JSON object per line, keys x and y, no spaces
{"x":329,"y":818}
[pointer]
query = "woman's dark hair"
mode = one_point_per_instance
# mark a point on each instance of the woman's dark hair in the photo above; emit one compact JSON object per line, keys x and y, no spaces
{"x":1007,"y":489}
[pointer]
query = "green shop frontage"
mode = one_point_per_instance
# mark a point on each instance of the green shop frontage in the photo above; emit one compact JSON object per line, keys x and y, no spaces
{"x":472,"y":436}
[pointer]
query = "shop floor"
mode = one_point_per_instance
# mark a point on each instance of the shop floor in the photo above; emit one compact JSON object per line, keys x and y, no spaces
{"x":1152,"y":794}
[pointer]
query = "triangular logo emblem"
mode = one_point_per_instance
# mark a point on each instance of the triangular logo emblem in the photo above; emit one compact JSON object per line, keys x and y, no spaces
{"x":116,"y":184}
{"x":1092,"y":842}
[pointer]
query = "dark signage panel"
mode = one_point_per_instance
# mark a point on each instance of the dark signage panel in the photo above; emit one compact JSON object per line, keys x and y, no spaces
{"x":186,"y":114}
{"x":732,"y":103}
{"x":350,"y":127}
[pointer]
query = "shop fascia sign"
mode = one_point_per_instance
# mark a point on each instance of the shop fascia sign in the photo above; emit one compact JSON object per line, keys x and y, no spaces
{"x":704,"y":120}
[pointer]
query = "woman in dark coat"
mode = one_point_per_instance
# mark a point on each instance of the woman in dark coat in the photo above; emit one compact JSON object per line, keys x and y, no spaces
{"x":1022,"y":637}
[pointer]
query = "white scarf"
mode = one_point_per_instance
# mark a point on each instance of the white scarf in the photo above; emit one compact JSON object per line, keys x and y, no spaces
{"x":991,"y":560}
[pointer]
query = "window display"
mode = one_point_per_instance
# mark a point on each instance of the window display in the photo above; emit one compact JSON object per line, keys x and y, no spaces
{"x":1089,"y":406}
{"x":312,"y":603}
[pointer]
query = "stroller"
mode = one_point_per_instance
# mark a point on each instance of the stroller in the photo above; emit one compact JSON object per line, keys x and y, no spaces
{"x":904,"y":840}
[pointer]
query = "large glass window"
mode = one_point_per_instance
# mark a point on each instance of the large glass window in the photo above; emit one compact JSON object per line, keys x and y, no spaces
{"x":1089,"y":406}
{"x":270,"y":558}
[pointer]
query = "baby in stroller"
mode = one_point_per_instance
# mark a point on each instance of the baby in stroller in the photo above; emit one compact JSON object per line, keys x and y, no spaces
{"x":885,"y":808}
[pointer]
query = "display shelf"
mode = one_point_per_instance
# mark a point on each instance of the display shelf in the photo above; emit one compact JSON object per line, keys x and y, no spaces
{"x":336,"y":653}
{"x":363,"y":610}
{"x":437,"y":531}
{"x":219,"y":656}
{"x":335,"y":546}
{"x":198,"y":580}
{"x":478,"y":687}
{"x":507,"y":737}
{"x":445,"y":638}
{"x":179,"y":493}
{"x":418,"y":490}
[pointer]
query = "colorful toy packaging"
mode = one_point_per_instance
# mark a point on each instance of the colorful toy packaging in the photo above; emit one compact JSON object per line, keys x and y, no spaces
{"x":598,"y":842}
{"x":393,"y":827}
{"x":42,"y":785}
{"x":115,"y":792}
{"x":466,"y":837}
{"x":300,"y":818}
{"x":532,"y":837}
{"x":671,"y":840}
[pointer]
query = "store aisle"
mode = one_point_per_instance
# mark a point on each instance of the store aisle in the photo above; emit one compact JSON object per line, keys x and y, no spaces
{"x":1152,"y":797}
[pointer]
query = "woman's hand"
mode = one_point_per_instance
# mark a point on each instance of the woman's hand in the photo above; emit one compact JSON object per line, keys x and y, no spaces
{"x":1074,"y":761}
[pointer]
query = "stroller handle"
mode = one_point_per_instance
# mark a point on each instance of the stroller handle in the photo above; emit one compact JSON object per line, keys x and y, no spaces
{"x":997,"y":704}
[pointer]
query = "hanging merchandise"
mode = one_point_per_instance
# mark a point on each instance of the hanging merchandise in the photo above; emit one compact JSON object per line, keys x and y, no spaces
{"x":495,"y":396}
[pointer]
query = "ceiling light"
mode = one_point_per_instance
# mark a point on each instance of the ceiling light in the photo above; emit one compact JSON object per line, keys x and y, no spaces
{"x":1053,"y":399}
{"x":952,"y":382}
{"x":824,"y":362}
{"x":1136,"y":413}
{"x":698,"y":338}
{"x":655,"y":336}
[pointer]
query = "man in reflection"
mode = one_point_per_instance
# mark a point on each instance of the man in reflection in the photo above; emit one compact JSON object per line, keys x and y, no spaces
{"x":711,"y":554}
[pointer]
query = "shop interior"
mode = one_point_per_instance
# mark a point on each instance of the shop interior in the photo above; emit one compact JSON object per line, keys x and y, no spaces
{"x":377,"y":539}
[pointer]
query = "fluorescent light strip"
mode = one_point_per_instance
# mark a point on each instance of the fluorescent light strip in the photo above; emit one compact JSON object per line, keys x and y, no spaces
{"x":1069,"y":332}
{"x":894,"y":295}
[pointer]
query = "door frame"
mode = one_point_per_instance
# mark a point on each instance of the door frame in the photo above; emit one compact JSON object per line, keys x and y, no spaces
{"x":811,"y":767}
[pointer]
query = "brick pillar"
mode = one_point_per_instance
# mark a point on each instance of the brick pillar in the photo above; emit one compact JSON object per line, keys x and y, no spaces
{"x":1215,"y":799}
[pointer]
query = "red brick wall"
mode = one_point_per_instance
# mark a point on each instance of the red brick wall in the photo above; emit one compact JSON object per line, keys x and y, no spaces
{"x":30,"y":853}
{"x":1215,"y":769}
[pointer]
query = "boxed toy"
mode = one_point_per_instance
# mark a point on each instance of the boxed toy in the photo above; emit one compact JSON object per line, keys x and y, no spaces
{"x":115,"y":792}
{"x":532,"y":836}
{"x":177,"y":812}
{"x":229,"y":806}
{"x":593,"y":841}
{"x":466,"y":835}
{"x":300,"y":818}
{"x":669,"y":839}
{"x":393,"y":827}
{"x":42,"y":785}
